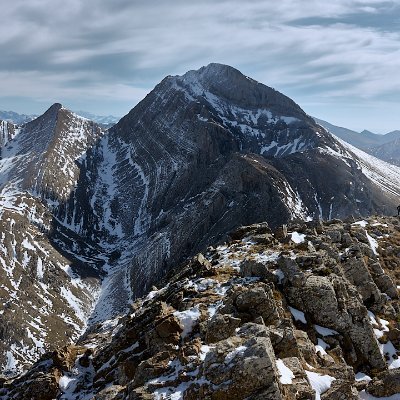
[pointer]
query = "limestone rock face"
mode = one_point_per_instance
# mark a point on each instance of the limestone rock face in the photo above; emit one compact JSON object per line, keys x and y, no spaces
{"x":217,"y":330}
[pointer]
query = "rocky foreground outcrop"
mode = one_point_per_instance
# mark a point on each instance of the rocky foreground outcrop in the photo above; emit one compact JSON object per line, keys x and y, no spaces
{"x":310,"y":311}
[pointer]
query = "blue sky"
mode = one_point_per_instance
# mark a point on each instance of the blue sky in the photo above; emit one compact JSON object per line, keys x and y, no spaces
{"x":340,"y":60}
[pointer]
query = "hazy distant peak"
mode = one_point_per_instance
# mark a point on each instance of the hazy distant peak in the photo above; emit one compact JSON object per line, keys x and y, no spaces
{"x":15,"y":118}
{"x":100,"y":119}
{"x":366,"y":132}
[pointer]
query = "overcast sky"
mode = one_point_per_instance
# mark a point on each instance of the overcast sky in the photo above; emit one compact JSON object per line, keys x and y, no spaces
{"x":339,"y":59}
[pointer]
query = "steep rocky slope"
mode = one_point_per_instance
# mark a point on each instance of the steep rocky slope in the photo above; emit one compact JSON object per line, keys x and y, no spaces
{"x":385,"y":147}
{"x":46,"y":293}
{"x":389,"y":152}
{"x":308,"y":311}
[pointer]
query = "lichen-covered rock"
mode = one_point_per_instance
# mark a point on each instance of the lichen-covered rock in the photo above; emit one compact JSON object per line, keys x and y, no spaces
{"x":221,"y":327}
{"x":356,"y":272}
{"x":258,"y":301}
{"x":386,"y":384}
{"x":250,"y":267}
{"x":341,"y":390}
{"x":242,"y":368}
{"x":251,"y":230}
{"x":334,"y":303}
{"x":299,"y":388}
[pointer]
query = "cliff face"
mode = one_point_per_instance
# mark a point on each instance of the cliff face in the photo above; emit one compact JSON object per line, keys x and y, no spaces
{"x":308,"y":310}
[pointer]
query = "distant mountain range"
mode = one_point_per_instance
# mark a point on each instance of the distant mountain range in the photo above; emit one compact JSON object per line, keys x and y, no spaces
{"x":20,"y":119}
{"x":100,"y":119}
{"x":15,"y":118}
{"x":386,"y":147}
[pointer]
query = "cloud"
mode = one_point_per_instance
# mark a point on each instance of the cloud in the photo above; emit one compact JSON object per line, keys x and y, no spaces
{"x":102,"y":51}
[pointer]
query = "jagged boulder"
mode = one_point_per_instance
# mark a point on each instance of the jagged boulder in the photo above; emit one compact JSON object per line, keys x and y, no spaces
{"x":341,"y":390}
{"x":386,"y":384}
{"x":334,"y":303}
{"x":299,"y":387}
{"x":251,"y":231}
{"x":221,"y":327}
{"x":248,"y":366}
{"x":250,"y":267}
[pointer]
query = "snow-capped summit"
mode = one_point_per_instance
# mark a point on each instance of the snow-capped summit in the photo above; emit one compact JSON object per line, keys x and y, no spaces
{"x":231,"y":85}
{"x":256,"y":114}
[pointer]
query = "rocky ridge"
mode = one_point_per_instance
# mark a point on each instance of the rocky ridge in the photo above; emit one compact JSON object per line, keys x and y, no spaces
{"x":309,"y":310}
{"x":48,"y":285}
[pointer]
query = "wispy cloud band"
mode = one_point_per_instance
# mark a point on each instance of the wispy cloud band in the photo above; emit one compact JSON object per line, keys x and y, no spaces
{"x":108,"y":54}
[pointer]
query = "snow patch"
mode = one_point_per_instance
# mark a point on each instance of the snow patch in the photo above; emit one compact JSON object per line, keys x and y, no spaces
{"x":232,"y":354}
{"x":297,"y":237}
{"x":325,"y":331}
{"x":188,"y":319}
{"x":286,"y":374}
{"x":320,"y":383}
{"x":298,"y":315}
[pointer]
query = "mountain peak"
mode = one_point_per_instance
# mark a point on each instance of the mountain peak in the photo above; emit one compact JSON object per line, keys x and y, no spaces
{"x":226,"y":84}
{"x":216,"y":70}
{"x":55,"y":107}
{"x":51,"y":112}
{"x":366,"y":132}
{"x":215,"y":74}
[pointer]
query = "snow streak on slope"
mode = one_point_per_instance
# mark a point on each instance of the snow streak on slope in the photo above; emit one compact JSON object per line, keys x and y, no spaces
{"x":39,"y":168}
{"x":383,"y":174}
{"x":36,"y":276}
{"x":271,"y":132}
{"x":105,"y":193}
